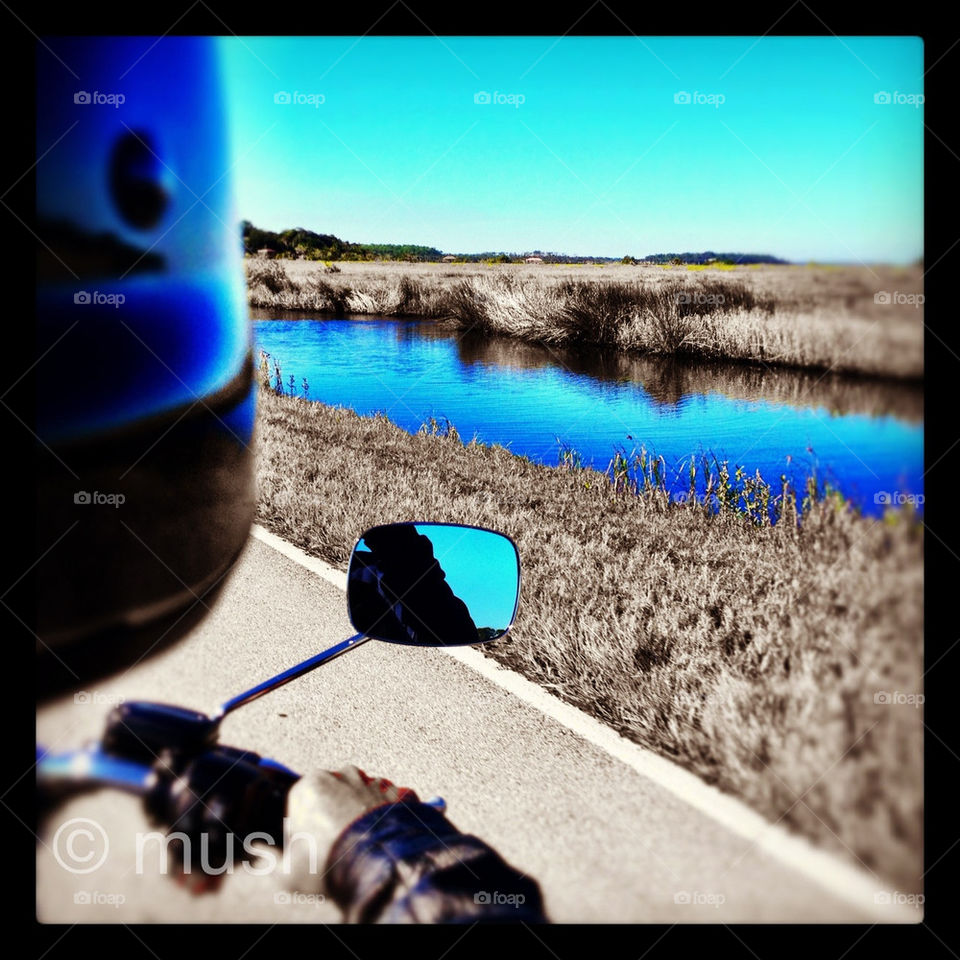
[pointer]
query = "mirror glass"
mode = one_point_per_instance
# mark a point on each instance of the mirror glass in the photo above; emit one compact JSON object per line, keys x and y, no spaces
{"x":433,"y":584}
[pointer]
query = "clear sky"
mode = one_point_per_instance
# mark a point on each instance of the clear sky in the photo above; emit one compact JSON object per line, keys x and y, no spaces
{"x":598,"y":146}
{"x":480,"y":566}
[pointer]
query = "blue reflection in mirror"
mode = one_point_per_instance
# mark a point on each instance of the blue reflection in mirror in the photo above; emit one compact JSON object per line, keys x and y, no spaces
{"x":431,"y":584}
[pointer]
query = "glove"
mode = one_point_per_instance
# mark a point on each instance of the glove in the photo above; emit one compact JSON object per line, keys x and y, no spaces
{"x":320,"y":807}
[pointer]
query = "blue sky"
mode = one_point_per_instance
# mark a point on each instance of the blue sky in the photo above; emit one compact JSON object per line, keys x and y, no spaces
{"x":585,"y":145}
{"x":480,"y":567}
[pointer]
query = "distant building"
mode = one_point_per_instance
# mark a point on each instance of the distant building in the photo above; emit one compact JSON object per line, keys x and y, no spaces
{"x":449,"y":258}
{"x":267,"y":252}
{"x":533,"y":260}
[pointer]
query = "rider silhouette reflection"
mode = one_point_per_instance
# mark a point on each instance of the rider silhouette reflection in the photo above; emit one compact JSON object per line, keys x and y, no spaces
{"x":399,"y":592}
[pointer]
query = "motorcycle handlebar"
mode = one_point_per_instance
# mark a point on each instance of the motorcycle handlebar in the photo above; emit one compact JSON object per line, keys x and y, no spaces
{"x":252,"y":787}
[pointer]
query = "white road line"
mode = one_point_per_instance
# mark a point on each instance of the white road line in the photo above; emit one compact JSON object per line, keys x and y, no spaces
{"x":857,"y":887}
{"x":321,"y":569}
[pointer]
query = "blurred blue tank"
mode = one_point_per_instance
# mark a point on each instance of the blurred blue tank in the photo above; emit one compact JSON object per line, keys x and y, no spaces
{"x":135,"y":200}
{"x":146,"y":392}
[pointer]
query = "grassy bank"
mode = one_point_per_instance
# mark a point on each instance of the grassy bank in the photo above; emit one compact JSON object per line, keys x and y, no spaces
{"x":751,"y":654}
{"x":813,"y":317}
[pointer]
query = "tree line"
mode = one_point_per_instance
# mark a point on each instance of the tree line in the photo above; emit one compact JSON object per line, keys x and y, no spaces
{"x":299,"y":243}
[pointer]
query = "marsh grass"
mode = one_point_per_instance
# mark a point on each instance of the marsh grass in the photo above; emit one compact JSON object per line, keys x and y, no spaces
{"x":750,"y":653}
{"x":666,"y":318}
{"x":809,"y":317}
{"x":392,"y":295}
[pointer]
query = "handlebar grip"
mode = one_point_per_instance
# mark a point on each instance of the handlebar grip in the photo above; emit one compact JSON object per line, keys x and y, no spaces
{"x":219,"y":800}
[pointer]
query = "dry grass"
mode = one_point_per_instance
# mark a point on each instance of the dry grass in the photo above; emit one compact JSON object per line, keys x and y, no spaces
{"x":396,"y":290}
{"x":812,"y":317}
{"x":749,"y":654}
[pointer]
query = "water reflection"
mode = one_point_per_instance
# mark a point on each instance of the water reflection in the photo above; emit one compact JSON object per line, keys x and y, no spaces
{"x":865,"y":435}
{"x":668,"y":380}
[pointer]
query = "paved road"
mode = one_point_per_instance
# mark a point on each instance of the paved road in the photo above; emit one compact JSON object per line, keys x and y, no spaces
{"x":605,"y":842}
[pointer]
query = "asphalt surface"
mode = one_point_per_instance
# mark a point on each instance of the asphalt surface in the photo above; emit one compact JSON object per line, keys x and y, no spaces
{"x":606,"y":843}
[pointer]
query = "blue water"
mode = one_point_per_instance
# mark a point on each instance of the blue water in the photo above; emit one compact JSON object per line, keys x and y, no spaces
{"x":531,"y":399}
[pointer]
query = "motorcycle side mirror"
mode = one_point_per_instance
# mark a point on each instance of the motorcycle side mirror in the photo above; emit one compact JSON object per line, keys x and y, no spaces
{"x":422,"y":584}
{"x":433,"y":584}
